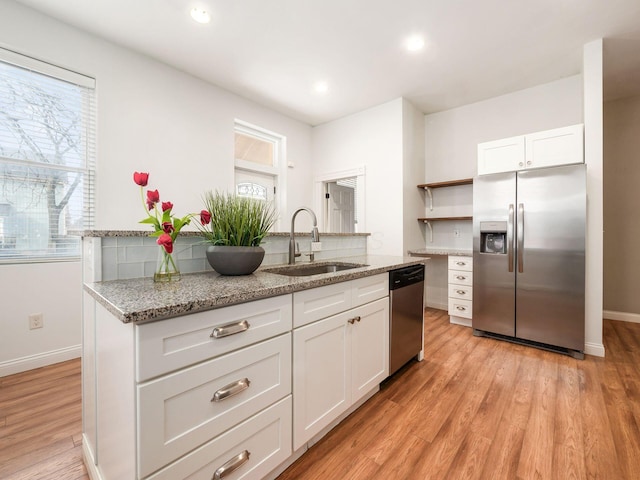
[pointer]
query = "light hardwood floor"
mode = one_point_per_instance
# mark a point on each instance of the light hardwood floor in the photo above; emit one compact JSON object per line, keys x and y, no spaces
{"x":475,"y":408}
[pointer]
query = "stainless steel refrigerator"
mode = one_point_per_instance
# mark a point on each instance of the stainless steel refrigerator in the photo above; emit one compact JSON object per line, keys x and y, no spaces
{"x":529,"y":257}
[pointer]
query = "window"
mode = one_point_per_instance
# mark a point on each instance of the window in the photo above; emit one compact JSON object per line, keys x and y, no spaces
{"x":47,"y":159}
{"x":259,"y":156}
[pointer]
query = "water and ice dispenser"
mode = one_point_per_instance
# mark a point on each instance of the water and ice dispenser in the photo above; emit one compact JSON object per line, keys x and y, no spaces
{"x":493,"y":237}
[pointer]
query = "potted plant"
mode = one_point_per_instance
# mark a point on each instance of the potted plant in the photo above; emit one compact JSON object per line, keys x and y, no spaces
{"x":234,"y":227}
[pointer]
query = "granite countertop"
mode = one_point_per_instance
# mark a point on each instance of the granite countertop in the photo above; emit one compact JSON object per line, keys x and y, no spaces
{"x":141,"y":300}
{"x":425,"y":252}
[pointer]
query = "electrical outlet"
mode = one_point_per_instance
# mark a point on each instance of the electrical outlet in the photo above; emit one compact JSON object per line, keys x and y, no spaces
{"x":456,"y":232}
{"x":36,"y":321}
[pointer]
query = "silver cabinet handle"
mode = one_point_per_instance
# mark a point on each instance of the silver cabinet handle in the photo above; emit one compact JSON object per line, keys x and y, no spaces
{"x":231,"y":465}
{"x":462,"y":309}
{"x":510,"y":238}
{"x":231,"y":390}
{"x":462,"y":264}
{"x":230,"y":329}
{"x":460,"y":277}
{"x":461,"y":292}
{"x":520,"y":235}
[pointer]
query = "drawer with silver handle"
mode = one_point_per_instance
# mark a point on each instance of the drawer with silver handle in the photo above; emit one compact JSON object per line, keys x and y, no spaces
{"x":459,"y":262}
{"x":461,"y":292}
{"x":249,"y":450}
{"x":182,"y":410}
{"x":460,"y":277}
{"x":460,"y":308}
{"x":171,"y":344}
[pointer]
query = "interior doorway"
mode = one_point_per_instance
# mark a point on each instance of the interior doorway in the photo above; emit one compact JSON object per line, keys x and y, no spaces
{"x":340,"y":205}
{"x":339,"y":198}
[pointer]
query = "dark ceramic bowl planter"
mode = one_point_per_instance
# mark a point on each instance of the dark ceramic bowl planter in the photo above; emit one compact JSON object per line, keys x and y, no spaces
{"x":232,"y":260}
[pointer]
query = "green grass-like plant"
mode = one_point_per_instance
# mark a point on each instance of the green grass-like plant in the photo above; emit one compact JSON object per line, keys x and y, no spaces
{"x":236,"y":221}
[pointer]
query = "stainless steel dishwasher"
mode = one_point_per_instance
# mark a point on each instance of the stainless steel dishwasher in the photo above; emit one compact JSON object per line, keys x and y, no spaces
{"x":406,"y":295}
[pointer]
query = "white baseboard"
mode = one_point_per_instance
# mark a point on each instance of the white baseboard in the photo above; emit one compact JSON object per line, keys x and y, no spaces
{"x":89,"y":463}
{"x":439,"y":306}
{"x":39,"y":360}
{"x":595,"y":349}
{"x":624,"y":316}
{"x":465,"y":322}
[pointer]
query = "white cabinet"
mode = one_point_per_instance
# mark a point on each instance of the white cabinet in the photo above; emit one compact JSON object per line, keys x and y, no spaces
{"x":560,"y":146}
{"x":176,"y":398}
{"x":460,"y":289}
{"x":340,"y":359}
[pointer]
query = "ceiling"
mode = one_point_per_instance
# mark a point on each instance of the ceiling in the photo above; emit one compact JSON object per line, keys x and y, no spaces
{"x":273,"y":52}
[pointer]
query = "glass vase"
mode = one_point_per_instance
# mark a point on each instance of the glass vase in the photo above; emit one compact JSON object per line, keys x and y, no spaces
{"x":167,"y":269}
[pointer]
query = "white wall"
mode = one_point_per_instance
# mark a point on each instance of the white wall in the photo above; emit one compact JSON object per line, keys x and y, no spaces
{"x":621,"y":212}
{"x":593,"y":149}
{"x":412,"y":174}
{"x":152,"y":118}
{"x":373,"y":138}
{"x":452,"y":136}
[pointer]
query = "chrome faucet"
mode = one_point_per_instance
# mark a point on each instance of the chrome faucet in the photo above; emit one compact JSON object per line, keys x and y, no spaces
{"x":315,"y":236}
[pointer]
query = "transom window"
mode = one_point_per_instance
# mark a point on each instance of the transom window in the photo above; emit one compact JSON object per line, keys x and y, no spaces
{"x":259,"y":160}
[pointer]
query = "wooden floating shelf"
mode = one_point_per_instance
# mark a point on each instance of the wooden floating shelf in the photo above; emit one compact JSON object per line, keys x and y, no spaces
{"x":450,"y":183}
{"x":435,"y":219}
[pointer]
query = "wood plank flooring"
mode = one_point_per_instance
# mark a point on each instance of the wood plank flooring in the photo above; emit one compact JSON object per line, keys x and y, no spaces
{"x":476,"y":408}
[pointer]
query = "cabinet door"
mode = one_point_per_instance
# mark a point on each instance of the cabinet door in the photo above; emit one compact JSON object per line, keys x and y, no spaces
{"x":505,"y":155}
{"x":321,"y":376}
{"x":561,"y":146}
{"x":369,"y":347}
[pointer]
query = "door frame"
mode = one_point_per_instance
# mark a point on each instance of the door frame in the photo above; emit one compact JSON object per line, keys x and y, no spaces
{"x":319,"y":189}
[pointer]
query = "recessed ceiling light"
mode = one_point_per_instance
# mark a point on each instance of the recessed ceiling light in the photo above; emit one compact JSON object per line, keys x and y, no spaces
{"x":321,"y":87}
{"x":414,"y":43}
{"x":200,"y":15}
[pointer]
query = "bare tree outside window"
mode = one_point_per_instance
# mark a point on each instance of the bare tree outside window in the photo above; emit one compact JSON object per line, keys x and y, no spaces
{"x":43,"y":163}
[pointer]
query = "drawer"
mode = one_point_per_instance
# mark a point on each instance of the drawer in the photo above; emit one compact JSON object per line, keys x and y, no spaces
{"x":316,"y":303}
{"x":458,"y":262}
{"x":460,"y":277}
{"x":461,"y":292}
{"x":460,"y":308}
{"x":266,"y":438}
{"x":368,"y":289}
{"x":168,"y":345}
{"x":178,"y":412}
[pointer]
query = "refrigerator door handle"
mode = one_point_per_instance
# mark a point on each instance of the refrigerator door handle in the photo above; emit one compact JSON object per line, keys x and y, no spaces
{"x":510,"y":238}
{"x":520,"y":234}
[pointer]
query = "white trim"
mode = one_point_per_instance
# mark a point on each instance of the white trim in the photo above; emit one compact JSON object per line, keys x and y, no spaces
{"x":594,"y":349}
{"x":438,"y":305}
{"x":624,"y":316}
{"x":35,"y":65}
{"x":88,"y":460}
{"x":465,"y":322}
{"x":319,"y":190}
{"x":39,"y":360}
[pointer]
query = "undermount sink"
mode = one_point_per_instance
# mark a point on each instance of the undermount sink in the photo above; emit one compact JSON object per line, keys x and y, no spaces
{"x":313,"y":269}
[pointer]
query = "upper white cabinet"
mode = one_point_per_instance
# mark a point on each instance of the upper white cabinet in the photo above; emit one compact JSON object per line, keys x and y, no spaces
{"x":560,"y":146}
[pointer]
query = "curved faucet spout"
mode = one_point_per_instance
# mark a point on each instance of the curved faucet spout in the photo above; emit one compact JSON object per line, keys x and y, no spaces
{"x":315,"y":236}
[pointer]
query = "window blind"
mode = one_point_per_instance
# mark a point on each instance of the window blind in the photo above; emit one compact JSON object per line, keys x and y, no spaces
{"x":47,"y":159}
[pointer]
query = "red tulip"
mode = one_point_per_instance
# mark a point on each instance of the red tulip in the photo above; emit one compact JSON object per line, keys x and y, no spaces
{"x":153,"y":197}
{"x":141,"y":178}
{"x":167,"y":227}
{"x":205,"y":217}
{"x":166,"y":206}
{"x":165,"y":241}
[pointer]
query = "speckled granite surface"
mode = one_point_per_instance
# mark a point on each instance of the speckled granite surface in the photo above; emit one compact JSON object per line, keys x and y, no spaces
{"x":139,"y":233}
{"x":425,"y":252}
{"x":141,"y":300}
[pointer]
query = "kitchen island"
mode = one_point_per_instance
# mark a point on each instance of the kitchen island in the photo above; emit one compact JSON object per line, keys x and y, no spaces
{"x":211,"y":374}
